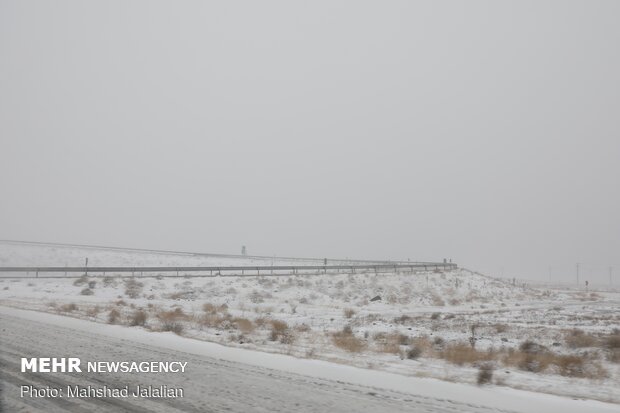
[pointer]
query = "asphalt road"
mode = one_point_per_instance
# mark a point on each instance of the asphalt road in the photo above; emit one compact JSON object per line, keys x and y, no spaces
{"x":209,"y":384}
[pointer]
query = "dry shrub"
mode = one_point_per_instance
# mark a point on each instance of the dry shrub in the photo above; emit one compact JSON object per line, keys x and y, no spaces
{"x":535,"y":358}
{"x":172,"y":320}
{"x":437,"y":301}
{"x":576,"y":338}
{"x":402,"y":319}
{"x":87,"y":291}
{"x":281,"y":332}
{"x":414,"y":352}
{"x":346,"y":340}
{"x":68,"y":308}
{"x":80,"y":281}
{"x":113,"y":316}
{"x":462,"y":353}
{"x":209,"y":308}
{"x":244,"y":325}
{"x":390,"y":343}
{"x":138,"y":318}
{"x":120,"y":302}
{"x":174,"y":315}
{"x":435,"y":316}
{"x":349,"y":312}
{"x":303,"y":328}
{"x":485,"y":374}
{"x":500,"y":328}
{"x":93,"y":311}
{"x":214,"y":320}
{"x":612,"y":342}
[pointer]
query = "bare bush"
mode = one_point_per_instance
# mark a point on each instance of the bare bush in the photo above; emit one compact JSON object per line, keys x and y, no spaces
{"x":87,"y":291}
{"x":80,"y":281}
{"x":133,"y":288}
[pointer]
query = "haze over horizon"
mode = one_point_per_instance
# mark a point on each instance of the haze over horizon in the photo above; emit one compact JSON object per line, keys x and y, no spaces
{"x":357,"y":129}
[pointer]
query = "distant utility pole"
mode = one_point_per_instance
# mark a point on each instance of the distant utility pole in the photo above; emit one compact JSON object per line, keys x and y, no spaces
{"x":577,"y":272}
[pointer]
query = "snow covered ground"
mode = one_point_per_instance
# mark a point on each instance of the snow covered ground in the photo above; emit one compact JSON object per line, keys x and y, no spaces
{"x":452,"y":326}
{"x":221,"y":378}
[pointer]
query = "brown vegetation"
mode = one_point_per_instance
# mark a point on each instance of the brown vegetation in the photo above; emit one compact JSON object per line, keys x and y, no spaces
{"x":346,"y":340}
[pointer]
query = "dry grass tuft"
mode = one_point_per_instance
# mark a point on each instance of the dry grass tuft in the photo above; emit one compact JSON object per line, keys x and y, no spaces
{"x":577,"y":338}
{"x":68,"y":308}
{"x":281,"y":332}
{"x":244,"y":325}
{"x":349,"y":312}
{"x":463,"y":353}
{"x":346,"y":340}
{"x":93,"y":311}
{"x":485,"y":373}
{"x":113,"y":316}
{"x":138,"y":318}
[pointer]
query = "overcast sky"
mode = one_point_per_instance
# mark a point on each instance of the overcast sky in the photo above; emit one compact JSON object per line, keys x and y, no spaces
{"x":486,"y":132}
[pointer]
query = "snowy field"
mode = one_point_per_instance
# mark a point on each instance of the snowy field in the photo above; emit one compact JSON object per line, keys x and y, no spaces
{"x":455,"y":326}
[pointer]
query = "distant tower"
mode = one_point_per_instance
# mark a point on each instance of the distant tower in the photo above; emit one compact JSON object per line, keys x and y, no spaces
{"x":243,"y":250}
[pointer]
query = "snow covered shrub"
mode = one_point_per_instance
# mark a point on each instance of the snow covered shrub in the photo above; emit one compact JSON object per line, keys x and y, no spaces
{"x":80,"y":281}
{"x":87,"y":291}
{"x":133,"y":288}
{"x":108,"y":281}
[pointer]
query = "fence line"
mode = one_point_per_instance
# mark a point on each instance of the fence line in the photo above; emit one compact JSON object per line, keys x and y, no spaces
{"x":220,"y":270}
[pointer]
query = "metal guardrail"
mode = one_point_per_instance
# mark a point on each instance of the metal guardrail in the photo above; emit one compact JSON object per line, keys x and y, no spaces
{"x":294,"y":269}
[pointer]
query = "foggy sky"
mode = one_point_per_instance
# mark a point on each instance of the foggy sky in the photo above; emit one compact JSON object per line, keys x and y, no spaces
{"x":485,"y":132}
